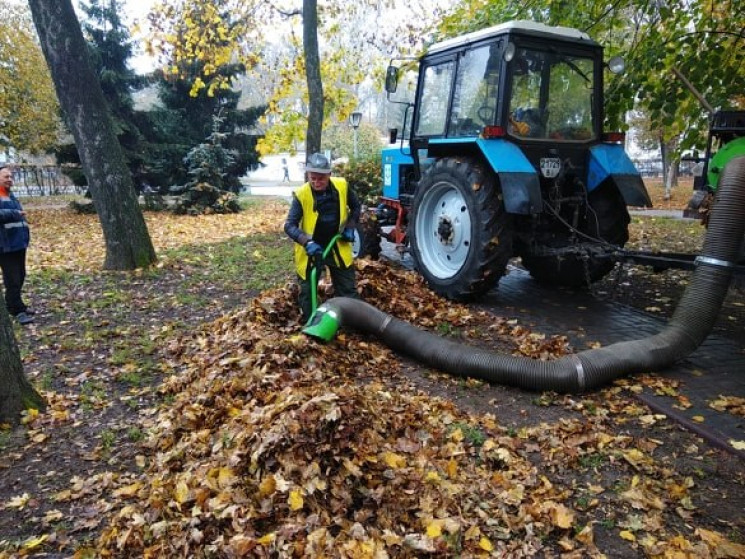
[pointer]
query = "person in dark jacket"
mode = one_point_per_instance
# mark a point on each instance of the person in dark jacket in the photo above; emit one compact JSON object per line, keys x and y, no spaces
{"x":321,"y":208}
{"x":14,"y":240}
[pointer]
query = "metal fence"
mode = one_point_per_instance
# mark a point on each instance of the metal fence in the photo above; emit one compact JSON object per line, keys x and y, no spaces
{"x":42,"y":180}
{"x":653,"y":167}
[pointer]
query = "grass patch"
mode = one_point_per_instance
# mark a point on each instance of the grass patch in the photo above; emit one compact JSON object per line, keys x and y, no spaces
{"x":257,"y":262}
{"x":108,"y":438}
{"x":591,"y":461}
{"x":471,"y":434}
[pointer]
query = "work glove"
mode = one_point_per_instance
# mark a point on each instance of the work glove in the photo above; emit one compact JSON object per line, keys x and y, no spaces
{"x":347,"y":235}
{"x":313,"y":248}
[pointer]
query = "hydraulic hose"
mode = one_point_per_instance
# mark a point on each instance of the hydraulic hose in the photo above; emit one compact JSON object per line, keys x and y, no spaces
{"x":691,"y":323}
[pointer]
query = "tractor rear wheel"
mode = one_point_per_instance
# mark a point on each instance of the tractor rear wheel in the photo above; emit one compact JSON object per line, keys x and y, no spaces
{"x":607,"y":219}
{"x":460,"y":234}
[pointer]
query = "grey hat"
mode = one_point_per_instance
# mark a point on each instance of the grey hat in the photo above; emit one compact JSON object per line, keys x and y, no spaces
{"x":318,"y":163}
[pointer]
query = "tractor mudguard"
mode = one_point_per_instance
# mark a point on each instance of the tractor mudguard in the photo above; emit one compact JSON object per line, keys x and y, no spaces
{"x":610,"y":162}
{"x":521,"y":188}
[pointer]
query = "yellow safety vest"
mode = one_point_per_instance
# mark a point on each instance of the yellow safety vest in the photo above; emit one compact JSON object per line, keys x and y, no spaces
{"x":304,"y":195}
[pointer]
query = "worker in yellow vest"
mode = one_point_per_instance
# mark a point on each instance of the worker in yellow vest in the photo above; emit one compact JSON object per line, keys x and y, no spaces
{"x":321,"y":208}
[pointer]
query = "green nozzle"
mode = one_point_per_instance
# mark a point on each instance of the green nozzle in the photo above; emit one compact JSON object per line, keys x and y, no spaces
{"x":323,"y":324}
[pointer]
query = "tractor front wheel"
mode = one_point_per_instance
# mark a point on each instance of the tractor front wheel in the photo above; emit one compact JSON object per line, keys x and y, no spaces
{"x":460,"y":234}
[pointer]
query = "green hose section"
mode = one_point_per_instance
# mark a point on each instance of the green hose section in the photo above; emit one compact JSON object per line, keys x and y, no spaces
{"x":314,"y":278}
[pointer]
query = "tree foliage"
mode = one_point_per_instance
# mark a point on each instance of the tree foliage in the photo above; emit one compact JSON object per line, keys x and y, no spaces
{"x":339,"y":139}
{"x":355,"y":40}
{"x":184,"y":121}
{"x":29,"y":110}
{"x":185,"y":32}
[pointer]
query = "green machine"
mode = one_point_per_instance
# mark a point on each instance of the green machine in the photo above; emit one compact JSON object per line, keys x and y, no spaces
{"x":726,"y":141}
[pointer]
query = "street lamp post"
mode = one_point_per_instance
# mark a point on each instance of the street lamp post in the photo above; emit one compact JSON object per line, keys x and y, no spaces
{"x":354,"y":119}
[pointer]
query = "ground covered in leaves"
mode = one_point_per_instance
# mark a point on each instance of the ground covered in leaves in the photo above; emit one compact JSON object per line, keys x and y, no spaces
{"x":658,"y":292}
{"x":188,"y":417}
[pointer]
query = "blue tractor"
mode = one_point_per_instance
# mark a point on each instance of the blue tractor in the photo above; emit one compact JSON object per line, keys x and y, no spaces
{"x":503,"y":154}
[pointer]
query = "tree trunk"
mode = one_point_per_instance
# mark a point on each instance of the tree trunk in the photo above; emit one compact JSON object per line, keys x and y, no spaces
{"x":664,"y":157}
{"x":128,"y":244}
{"x":313,"y":76}
{"x":670,"y":167}
{"x":673,"y":173}
{"x":16,"y":393}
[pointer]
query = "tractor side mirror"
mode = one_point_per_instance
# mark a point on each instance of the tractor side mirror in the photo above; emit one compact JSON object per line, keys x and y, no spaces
{"x":391,"y":79}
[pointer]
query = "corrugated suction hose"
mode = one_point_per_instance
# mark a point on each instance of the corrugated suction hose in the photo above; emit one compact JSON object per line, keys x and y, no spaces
{"x":691,"y":323}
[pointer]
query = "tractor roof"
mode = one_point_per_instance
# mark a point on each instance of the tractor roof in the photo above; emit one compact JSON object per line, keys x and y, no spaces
{"x":518,"y":26}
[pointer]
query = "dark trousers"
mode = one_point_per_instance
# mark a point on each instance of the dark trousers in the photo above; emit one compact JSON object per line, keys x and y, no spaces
{"x":343,"y":280}
{"x":14,"y":274}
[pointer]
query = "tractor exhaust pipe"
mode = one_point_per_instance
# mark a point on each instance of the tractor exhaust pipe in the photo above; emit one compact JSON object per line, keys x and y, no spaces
{"x":691,"y":323}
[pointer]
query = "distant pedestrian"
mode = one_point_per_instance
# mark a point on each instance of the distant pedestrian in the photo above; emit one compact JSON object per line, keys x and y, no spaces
{"x":14,"y":240}
{"x":285,"y":170}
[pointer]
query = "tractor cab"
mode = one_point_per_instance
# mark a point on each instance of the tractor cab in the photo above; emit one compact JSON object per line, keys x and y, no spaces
{"x":518,"y":110}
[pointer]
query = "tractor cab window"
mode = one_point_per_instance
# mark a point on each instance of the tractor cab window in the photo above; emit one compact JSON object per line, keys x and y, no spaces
{"x":434,"y":97}
{"x":476,"y":91}
{"x":551,"y":96}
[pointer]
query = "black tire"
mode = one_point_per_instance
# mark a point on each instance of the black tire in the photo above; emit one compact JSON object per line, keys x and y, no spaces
{"x":607,"y":219}
{"x":366,"y":238}
{"x":460,"y":234}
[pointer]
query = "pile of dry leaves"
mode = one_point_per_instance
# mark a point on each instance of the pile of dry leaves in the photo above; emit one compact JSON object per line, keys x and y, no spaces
{"x":276,"y":445}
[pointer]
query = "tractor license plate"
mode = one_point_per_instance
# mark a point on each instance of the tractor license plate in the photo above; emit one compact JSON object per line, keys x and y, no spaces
{"x":550,"y":167}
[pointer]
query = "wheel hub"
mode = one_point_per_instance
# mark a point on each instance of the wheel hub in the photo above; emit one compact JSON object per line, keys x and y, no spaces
{"x":445,"y":230}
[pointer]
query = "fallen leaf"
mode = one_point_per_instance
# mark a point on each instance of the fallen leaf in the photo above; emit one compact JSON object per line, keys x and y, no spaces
{"x":295,"y":500}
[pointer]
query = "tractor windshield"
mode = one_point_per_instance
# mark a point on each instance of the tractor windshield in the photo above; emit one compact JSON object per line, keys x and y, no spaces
{"x":551,"y":96}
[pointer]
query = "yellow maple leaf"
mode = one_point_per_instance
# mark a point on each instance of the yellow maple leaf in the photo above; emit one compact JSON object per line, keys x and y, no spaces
{"x":128,"y":490}
{"x":432,"y":476}
{"x":181,"y":492}
{"x":586,"y":535}
{"x":295,"y":500}
{"x":53,"y":515}
{"x":64,"y":495}
{"x":698,"y":418}
{"x":739,"y":445}
{"x":485,"y":544}
{"x":29,"y":415}
{"x":267,"y":486}
{"x":267,"y":539}
{"x":394,"y":460}
{"x":434,"y":529}
{"x":561,"y":516}
{"x":719,"y":543}
{"x":33,"y":543}
{"x":628,"y":536}
{"x":452,"y":468}
{"x":18,"y":502}
{"x":225,"y":477}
